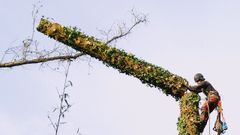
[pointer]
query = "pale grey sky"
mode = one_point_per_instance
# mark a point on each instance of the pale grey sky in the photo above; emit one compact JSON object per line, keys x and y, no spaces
{"x":184,"y":37}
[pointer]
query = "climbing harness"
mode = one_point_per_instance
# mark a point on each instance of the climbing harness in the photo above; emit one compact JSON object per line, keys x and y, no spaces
{"x":220,"y":125}
{"x":224,"y":124}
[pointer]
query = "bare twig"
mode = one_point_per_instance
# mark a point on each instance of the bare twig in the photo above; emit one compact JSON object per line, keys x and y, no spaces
{"x":63,"y":105}
{"x":30,"y":41}
{"x":53,"y":125}
{"x":138,"y":18}
{"x":63,"y":97}
{"x":78,"y":132}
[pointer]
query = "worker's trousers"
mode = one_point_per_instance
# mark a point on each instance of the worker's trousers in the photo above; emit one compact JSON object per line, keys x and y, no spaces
{"x":212,"y":103}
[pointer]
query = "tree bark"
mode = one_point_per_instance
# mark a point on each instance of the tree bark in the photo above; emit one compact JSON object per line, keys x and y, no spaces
{"x":39,"y":60}
{"x":152,"y":75}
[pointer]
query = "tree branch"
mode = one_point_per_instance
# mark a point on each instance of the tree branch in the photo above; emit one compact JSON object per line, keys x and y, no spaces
{"x":137,"y":20}
{"x":39,"y":60}
{"x":155,"y":76}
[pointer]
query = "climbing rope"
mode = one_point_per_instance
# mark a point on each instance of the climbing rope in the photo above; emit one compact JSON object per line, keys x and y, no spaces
{"x":209,"y":124}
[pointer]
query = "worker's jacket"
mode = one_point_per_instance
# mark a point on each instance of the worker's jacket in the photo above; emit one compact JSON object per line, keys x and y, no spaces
{"x":204,"y":87}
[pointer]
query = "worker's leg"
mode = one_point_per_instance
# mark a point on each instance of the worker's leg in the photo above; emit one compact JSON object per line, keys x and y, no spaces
{"x":203,"y":116}
{"x":212,"y":102}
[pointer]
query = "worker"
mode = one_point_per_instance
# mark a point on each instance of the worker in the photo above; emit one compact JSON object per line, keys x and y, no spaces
{"x":212,"y":99}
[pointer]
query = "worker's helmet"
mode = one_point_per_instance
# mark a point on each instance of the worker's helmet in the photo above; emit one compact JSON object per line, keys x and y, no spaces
{"x":198,"y":77}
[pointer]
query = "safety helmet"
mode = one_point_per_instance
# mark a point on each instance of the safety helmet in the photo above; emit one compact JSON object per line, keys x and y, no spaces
{"x":198,"y":77}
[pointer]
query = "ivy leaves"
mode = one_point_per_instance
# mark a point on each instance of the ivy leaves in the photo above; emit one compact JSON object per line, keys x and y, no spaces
{"x":148,"y":73}
{"x":187,"y":122}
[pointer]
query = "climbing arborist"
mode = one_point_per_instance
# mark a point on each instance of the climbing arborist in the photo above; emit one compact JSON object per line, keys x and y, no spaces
{"x":212,"y":99}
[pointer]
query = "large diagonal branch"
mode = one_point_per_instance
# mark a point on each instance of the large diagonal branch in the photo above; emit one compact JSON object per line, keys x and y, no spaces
{"x":39,"y":60}
{"x":126,"y":63}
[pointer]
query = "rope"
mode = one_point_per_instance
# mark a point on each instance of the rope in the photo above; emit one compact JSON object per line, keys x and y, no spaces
{"x":209,"y":127}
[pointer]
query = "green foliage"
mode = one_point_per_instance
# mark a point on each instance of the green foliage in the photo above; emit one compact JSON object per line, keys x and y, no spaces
{"x":189,"y":117}
{"x":149,"y":74}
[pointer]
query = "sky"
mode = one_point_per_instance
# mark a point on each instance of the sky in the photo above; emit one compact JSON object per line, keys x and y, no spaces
{"x":185,"y":37}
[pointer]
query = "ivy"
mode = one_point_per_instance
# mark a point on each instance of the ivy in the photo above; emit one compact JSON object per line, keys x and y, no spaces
{"x":149,"y":74}
{"x":189,"y":115}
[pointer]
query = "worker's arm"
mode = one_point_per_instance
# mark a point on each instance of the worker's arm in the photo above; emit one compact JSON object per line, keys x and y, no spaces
{"x":197,"y":88}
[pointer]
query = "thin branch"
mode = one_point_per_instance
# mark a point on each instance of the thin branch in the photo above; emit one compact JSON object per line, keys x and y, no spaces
{"x":39,"y":60}
{"x":62,"y":109}
{"x":137,"y":20}
{"x":53,"y":125}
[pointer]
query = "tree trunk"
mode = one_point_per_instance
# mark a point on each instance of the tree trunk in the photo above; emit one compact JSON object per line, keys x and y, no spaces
{"x":189,"y":115}
{"x":127,"y":63}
